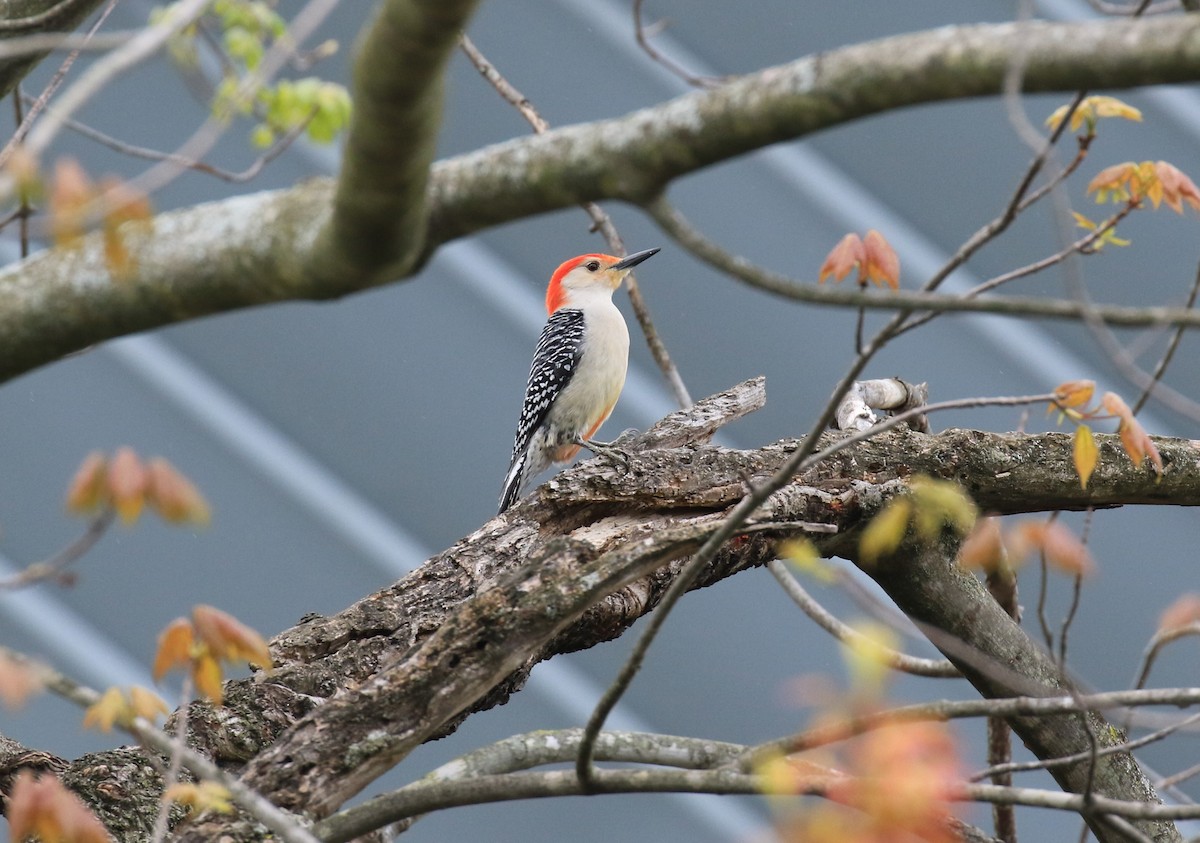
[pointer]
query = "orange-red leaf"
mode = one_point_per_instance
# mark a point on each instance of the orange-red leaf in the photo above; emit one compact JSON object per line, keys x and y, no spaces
{"x":228,"y":638}
{"x":1184,"y":612}
{"x":174,"y":496}
{"x":73,"y":191}
{"x":983,"y":549}
{"x":1061,"y":548}
{"x":1074,"y":393}
{"x":1177,"y":188}
{"x":845,"y":256}
{"x":87,"y":490}
{"x":43,"y":808}
{"x":882,"y":266}
{"x":1134,"y":439}
{"x":18,"y":681}
{"x":1113,"y":181}
{"x":127,"y":481}
{"x":176,"y":644}
{"x":1085,"y":454}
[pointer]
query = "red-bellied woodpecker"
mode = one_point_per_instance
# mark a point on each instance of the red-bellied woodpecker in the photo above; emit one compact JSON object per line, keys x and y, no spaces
{"x":578,"y":368}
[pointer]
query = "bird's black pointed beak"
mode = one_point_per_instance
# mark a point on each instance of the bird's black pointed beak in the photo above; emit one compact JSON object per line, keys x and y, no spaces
{"x":634,"y":259}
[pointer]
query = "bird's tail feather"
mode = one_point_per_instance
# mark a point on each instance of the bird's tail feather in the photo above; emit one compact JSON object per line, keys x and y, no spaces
{"x":513,"y":481}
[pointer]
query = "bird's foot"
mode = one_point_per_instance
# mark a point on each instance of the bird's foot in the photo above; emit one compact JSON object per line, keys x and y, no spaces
{"x":608,"y":449}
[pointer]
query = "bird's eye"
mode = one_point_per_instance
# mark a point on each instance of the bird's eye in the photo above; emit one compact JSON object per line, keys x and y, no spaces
{"x":592,"y":266}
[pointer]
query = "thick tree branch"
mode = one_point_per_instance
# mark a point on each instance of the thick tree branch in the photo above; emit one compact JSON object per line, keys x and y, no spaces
{"x":379,"y":213}
{"x":291,"y":244}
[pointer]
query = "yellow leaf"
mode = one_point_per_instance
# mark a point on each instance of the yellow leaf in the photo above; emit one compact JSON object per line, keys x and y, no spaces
{"x":804,"y":557}
{"x":938,"y":504}
{"x":112,"y":707}
{"x":206,"y":673}
{"x":175,"y":647}
{"x":1074,"y":393}
{"x":886,"y":530}
{"x":1085,"y":454}
{"x":866,"y":657}
{"x":146,"y":704}
{"x":205,"y":796}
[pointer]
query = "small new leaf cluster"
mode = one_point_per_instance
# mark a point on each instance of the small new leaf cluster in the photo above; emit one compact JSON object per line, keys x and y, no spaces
{"x":988,"y":549}
{"x":1157,"y":181}
{"x":930,"y":506}
{"x":1072,"y":398}
{"x":126,"y":484}
{"x":119,"y":708}
{"x":198,"y":797}
{"x":1092,"y":109}
{"x":203,"y":642}
{"x":872,"y":255}
{"x":77,"y":203}
{"x":248,"y":29}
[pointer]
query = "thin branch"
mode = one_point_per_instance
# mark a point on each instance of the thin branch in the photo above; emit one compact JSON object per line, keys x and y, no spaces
{"x":936,"y":668}
{"x":1067,"y":760}
{"x":677,"y":226}
{"x":185,"y":163}
{"x":142,"y":46}
{"x":1169,"y":354}
{"x":857,"y":724}
{"x":1081,"y":246}
{"x":54,"y":567}
{"x":643,"y":40}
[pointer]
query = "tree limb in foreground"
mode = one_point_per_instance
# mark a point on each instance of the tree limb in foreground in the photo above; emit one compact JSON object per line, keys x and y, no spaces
{"x":593,"y":549}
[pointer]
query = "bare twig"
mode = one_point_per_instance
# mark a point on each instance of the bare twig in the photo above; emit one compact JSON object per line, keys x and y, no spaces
{"x":139,"y":48}
{"x":939,"y":668}
{"x":679,"y":229}
{"x":1169,"y":354}
{"x":1067,"y":760}
{"x":239,"y":177}
{"x":53,"y":568}
{"x":1084,"y":245}
{"x":959,"y":709}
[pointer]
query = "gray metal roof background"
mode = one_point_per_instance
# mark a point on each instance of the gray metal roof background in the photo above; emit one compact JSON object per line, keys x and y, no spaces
{"x":342,"y":443}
